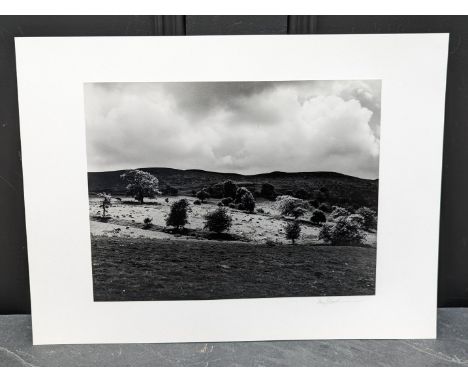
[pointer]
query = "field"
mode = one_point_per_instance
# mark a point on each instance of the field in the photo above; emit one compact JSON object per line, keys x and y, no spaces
{"x":254,"y":259}
{"x":127,"y":269}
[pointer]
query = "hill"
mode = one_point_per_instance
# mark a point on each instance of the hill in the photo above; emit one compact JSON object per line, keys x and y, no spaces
{"x":333,"y":187}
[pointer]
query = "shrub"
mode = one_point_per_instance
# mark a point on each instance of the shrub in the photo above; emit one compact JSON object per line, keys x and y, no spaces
{"x":298,"y":212}
{"x":106,"y":202}
{"x":220,"y":204}
{"x":302,"y":194}
{"x":357,"y":219}
{"x":217,"y":190}
{"x":339,"y":212}
{"x":227,"y":201}
{"x":247,"y":202}
{"x":140,"y":184}
{"x":230,"y":189}
{"x":314,"y":203}
{"x":344,"y":232}
{"x":232,"y":205}
{"x":287,"y":204}
{"x":325,"y":207}
{"x":218,"y":220}
{"x":260,"y":210}
{"x":241,"y":191}
{"x":292,"y":231}
{"x":178,"y":215}
{"x":370,"y":217}
{"x":318,"y":217}
{"x":268,"y":191}
{"x":203,"y":195}
{"x":197,"y":202}
{"x":147,"y":222}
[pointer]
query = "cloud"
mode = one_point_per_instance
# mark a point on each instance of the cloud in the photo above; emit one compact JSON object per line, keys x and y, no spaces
{"x":249,"y":127}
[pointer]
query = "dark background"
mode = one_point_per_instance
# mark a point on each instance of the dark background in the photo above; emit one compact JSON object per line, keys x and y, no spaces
{"x":453,"y":255}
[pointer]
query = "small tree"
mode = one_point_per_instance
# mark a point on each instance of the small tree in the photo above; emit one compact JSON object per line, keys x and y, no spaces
{"x":203,"y":195}
{"x":370,"y":217}
{"x":325,"y":207}
{"x":247,"y":202}
{"x":218,"y":220}
{"x":268,"y":191}
{"x":339,"y":212}
{"x":298,"y":212}
{"x":241,"y":191}
{"x":293,"y":231}
{"x":147,"y":223}
{"x":106,"y":202}
{"x":318,"y":217}
{"x":230,"y":189}
{"x":140,"y":184}
{"x":178,"y":215}
{"x":286,"y":205}
{"x":344,"y":232}
{"x":227,"y":201}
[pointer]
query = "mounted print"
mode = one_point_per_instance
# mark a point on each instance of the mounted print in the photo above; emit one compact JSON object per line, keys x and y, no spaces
{"x":215,"y":190}
{"x":284,"y":187}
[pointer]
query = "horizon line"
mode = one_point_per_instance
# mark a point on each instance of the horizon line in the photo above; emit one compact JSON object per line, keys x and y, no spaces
{"x":234,"y":173}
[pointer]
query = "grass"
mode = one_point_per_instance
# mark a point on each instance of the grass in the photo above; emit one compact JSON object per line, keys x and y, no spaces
{"x":126,"y":269}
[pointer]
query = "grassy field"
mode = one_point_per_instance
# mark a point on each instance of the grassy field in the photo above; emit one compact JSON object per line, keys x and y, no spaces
{"x":144,"y":269}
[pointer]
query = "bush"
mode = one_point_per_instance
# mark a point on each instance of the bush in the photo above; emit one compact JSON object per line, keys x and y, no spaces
{"x":287,"y":204}
{"x":247,"y":202}
{"x":302,"y":194}
{"x":325,"y":207}
{"x":339,"y":212}
{"x":260,"y":210}
{"x":357,"y":219}
{"x":217,"y":190}
{"x":218,"y":220}
{"x":227,"y":201}
{"x":268,"y":191}
{"x":178,"y":215}
{"x":220,"y":204}
{"x":298,"y":212}
{"x":147,"y":222}
{"x":230,"y":189}
{"x":314,"y":203}
{"x":140,"y":184}
{"x":344,"y":232}
{"x":197,"y":202}
{"x":232,"y":205}
{"x":318,"y":217}
{"x":292,"y":230}
{"x":241,"y":191}
{"x":203,"y":195}
{"x":370,"y":217}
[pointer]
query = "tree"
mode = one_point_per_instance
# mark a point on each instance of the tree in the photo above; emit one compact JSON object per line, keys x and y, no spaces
{"x":339,"y":212}
{"x":140,"y":184}
{"x":292,"y":230}
{"x":370,"y":217}
{"x":218,"y":220}
{"x":247,"y":202}
{"x":106,"y":202}
{"x":287,"y":204}
{"x":325,"y":207}
{"x":298,"y":212}
{"x":203,"y":195}
{"x":178,"y":215}
{"x":318,"y":217}
{"x":230,"y":189}
{"x":344,"y":232}
{"x":268,"y":191}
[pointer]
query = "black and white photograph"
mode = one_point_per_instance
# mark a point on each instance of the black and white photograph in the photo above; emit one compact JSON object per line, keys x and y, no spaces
{"x":228,"y":190}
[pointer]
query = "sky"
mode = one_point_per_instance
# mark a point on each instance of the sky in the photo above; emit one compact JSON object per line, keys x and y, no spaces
{"x":241,"y":127}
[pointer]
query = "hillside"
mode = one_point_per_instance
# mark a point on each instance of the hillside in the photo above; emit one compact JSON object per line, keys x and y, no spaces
{"x":340,"y":189}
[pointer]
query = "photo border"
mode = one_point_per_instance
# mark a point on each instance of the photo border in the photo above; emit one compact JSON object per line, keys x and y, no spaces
{"x":51,"y":73}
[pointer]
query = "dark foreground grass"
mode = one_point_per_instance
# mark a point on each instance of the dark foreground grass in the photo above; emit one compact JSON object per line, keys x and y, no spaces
{"x":126,"y":269}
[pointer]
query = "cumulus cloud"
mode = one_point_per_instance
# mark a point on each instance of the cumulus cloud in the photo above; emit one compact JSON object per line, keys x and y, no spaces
{"x":244,"y":127}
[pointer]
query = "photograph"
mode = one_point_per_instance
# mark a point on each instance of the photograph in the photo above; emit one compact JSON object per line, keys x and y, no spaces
{"x":232,"y":190}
